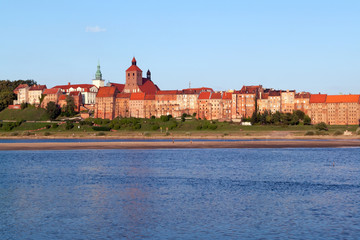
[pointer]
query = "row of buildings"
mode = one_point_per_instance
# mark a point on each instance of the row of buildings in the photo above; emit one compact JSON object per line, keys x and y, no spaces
{"x":140,"y":97}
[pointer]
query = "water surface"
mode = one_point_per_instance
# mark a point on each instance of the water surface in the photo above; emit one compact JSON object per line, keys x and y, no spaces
{"x":180,"y":194}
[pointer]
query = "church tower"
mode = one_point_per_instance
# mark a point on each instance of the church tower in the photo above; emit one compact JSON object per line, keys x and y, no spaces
{"x":98,"y":81}
{"x":133,"y":78}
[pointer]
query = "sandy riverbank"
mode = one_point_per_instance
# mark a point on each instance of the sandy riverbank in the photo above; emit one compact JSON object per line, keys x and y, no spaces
{"x":177,"y":144}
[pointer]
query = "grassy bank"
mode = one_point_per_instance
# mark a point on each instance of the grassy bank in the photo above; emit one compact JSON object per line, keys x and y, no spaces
{"x":170,"y":128}
{"x":29,"y":114}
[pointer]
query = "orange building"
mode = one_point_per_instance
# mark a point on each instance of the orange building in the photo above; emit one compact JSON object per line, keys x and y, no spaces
{"x":318,"y":108}
{"x":51,"y":95}
{"x":287,"y":101}
{"x":105,"y":103}
{"x":244,"y":101}
{"x":343,"y":109}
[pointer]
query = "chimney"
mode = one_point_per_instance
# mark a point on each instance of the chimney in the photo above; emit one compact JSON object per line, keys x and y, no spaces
{"x":68,"y":83}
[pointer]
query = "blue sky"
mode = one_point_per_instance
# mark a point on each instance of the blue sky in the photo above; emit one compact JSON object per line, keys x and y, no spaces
{"x":304,"y":45}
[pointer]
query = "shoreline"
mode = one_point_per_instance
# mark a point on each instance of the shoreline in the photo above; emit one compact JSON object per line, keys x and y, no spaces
{"x":177,"y":145}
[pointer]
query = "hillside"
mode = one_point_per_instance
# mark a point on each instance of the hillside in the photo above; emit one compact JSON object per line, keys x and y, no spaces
{"x":28,"y":114}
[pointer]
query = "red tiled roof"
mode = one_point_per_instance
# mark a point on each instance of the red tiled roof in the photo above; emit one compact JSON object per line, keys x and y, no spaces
{"x":204,"y":95}
{"x":85,"y":86}
{"x":167,"y":92}
{"x":51,"y":91}
{"x":133,"y":68}
{"x":343,"y":99}
{"x":197,"y":90}
{"x":62,"y":97}
{"x":318,"y":98}
{"x":302,"y":95}
{"x":120,"y":87}
{"x":148,"y":87}
{"x":227,"y":95}
{"x":264,"y":96}
{"x":250,"y":89}
{"x":274,"y":93}
{"x":37,"y":87}
{"x":216,"y":95}
{"x":106,"y":92}
{"x":74,"y":93}
{"x":137,"y":96}
{"x":21,"y":86}
{"x":123,"y":95}
{"x":150,"y":97}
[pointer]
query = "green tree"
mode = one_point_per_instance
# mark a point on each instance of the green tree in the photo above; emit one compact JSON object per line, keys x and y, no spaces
{"x":53,"y":110}
{"x":299,"y":114}
{"x":321,"y":126}
{"x":307,"y":120}
{"x":70,"y":106}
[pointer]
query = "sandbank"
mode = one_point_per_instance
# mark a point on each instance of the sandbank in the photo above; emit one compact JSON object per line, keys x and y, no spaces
{"x":178,"y":145}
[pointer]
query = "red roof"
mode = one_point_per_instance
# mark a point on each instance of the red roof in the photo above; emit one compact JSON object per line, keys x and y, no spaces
{"x":21,"y":86}
{"x":137,"y":96}
{"x":148,"y":87}
{"x":62,"y":97}
{"x":150,"y":97}
{"x":216,"y":95}
{"x":318,"y":98}
{"x":227,"y":95}
{"x":343,"y":99}
{"x":37,"y":87}
{"x":167,"y":92}
{"x":204,"y":95}
{"x":197,"y":90}
{"x":250,"y":89}
{"x":119,"y":86}
{"x":75,"y":93}
{"x":106,"y":92}
{"x":16,"y":90}
{"x":274,"y":93}
{"x":51,"y":91}
{"x":123,"y":95}
{"x":302,"y":95}
{"x":133,"y":68}
{"x":264,"y":96}
{"x":85,"y":86}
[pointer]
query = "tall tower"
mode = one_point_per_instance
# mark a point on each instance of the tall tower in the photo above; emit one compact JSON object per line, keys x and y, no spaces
{"x":148,"y":74}
{"x":133,"y":78}
{"x":98,"y":81}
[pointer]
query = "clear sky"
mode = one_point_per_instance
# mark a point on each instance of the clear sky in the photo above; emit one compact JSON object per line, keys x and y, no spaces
{"x":306,"y":45}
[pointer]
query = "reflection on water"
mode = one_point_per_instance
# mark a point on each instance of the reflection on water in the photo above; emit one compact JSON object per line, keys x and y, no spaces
{"x":180,"y":194}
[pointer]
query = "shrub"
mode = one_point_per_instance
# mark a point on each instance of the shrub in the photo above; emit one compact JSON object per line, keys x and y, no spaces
{"x":155,"y":127}
{"x":146,"y":134}
{"x":337,"y":133}
{"x":137,"y":126}
{"x":69,"y":125}
{"x":212,"y":126}
{"x":14,"y":134}
{"x":321,"y":133}
{"x":321,"y":126}
{"x":26,"y":134}
{"x":117,"y":126}
{"x":55,"y":125}
{"x":307,"y":120}
{"x":102,"y":128}
{"x":164,"y":118}
{"x":167,"y":134}
{"x":47,"y":134}
{"x":100,"y":134}
{"x":199,"y":127}
{"x":309,"y":133}
{"x":48,"y":126}
{"x":152,"y":117}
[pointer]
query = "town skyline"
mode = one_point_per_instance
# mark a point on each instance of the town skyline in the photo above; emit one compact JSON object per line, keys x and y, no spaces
{"x":308,"y":46}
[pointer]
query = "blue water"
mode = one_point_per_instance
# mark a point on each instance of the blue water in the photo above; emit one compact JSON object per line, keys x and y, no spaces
{"x":181,"y":194}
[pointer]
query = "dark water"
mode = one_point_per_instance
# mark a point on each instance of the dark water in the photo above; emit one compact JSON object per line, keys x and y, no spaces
{"x":180,"y":194}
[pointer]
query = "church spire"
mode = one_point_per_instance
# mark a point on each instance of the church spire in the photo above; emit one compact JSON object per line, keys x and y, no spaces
{"x":133,"y":62}
{"x":98,"y":74}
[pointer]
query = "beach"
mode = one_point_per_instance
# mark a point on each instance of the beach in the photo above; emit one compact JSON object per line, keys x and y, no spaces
{"x":179,"y":144}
